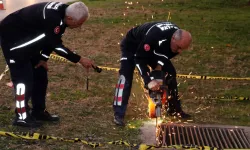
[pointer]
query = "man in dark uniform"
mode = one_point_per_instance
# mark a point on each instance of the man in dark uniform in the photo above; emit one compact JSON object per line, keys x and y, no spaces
{"x":28,"y":37}
{"x":152,"y":44}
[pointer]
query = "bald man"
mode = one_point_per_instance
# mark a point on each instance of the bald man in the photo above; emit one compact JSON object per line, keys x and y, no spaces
{"x":151,"y":44}
{"x":28,"y":37}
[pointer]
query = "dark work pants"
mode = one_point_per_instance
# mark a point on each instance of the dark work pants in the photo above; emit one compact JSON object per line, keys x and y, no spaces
{"x":40,"y":84}
{"x":28,"y":81}
{"x":124,"y":85}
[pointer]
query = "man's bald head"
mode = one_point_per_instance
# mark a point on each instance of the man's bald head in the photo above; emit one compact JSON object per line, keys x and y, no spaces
{"x":180,"y":41}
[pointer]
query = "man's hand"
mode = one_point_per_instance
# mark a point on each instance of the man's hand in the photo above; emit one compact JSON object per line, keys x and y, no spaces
{"x":85,"y":62}
{"x":42,"y":64}
{"x":154,"y":85}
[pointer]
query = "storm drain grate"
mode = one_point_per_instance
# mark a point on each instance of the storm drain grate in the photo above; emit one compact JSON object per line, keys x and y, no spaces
{"x":203,"y":136}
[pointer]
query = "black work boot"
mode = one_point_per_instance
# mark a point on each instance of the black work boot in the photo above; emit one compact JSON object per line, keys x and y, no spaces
{"x":44,"y":116}
{"x":182,"y":115}
{"x":171,"y":112}
{"x":179,"y":112}
{"x":174,"y":109}
{"x":119,"y":121}
{"x":27,"y":122}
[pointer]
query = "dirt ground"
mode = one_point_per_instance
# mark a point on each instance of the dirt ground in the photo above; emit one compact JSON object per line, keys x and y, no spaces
{"x":88,"y":114}
{"x":148,"y":132}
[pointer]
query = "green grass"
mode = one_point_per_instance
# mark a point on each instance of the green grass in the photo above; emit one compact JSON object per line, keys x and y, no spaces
{"x":220,"y":30}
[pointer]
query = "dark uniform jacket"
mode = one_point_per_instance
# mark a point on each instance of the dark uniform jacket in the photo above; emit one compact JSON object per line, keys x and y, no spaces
{"x":152,"y":41}
{"x":36,"y":29}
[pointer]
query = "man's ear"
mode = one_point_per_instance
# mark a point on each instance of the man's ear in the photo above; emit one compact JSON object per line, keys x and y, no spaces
{"x":172,"y":38}
{"x":69,"y":18}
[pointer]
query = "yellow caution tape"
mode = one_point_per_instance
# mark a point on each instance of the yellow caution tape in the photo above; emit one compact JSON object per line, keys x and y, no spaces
{"x":182,"y":76}
{"x":62,"y":59}
{"x":169,"y":17}
{"x":58,"y":58}
{"x":224,"y":98}
{"x":4,"y":72}
{"x":189,"y":76}
{"x":208,"y":77}
{"x":38,"y":136}
{"x":120,"y":142}
{"x":238,"y":98}
{"x":109,"y":69}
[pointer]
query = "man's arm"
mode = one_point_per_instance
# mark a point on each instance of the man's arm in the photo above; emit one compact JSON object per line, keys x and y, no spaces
{"x":53,"y":24}
{"x":144,"y":53}
{"x":60,"y":50}
{"x":45,"y":54}
{"x":143,"y":70}
{"x":67,"y":53}
{"x":145,"y":74}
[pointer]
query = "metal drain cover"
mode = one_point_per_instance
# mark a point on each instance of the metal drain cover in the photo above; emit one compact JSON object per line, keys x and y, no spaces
{"x":175,"y":134}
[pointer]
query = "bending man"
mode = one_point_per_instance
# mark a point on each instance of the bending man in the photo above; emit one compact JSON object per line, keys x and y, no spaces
{"x":28,"y":37}
{"x":151,"y":44}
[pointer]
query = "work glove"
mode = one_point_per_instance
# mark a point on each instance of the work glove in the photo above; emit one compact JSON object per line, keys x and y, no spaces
{"x":154,"y":85}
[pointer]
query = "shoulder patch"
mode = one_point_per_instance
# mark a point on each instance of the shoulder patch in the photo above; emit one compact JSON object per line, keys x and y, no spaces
{"x":146,"y":47}
{"x":57,"y":30}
